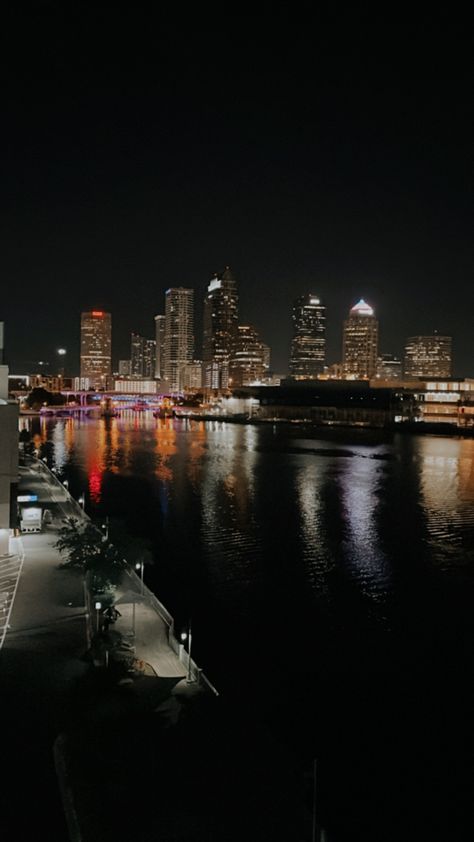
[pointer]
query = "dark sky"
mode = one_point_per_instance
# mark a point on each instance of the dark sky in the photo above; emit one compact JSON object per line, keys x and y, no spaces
{"x":138,"y":154}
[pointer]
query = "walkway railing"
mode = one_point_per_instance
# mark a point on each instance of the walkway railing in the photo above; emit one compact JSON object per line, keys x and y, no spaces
{"x":194,"y":672}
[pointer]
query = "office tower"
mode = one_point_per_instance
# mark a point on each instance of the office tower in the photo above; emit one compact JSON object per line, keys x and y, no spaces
{"x":360,"y":343}
{"x":428,"y":356}
{"x":267,"y":351}
{"x":179,"y":334}
{"x":96,"y":349}
{"x":160,"y":346}
{"x":142,"y":356}
{"x":149,"y":358}
{"x":136,"y":355}
{"x":191,"y":376}
{"x":389,"y":367}
{"x":220,"y":329}
{"x":124,"y":368}
{"x":308,"y":346}
{"x":247,"y":360}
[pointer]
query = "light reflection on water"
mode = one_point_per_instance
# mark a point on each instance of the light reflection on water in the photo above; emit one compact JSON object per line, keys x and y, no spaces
{"x":237,"y":493}
{"x":447,"y":489}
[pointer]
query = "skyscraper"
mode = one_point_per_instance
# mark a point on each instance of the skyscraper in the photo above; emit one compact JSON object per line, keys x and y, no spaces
{"x":142,"y":356}
{"x":96,"y":349}
{"x":247,"y":363}
{"x":136,"y":355}
{"x":179,"y":334}
{"x":220,"y":329}
{"x":428,"y":356}
{"x":308,"y":346}
{"x":160,"y":347}
{"x":360,"y":342}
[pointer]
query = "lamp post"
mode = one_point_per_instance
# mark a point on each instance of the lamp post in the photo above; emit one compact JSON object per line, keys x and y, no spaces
{"x":98,"y":606}
{"x":188,"y":636}
{"x":61,"y":352}
{"x":139,"y":566}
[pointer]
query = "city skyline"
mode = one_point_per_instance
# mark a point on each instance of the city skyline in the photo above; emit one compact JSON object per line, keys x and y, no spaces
{"x":310,"y":172}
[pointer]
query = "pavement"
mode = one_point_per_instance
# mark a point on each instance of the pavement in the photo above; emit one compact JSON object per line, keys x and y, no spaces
{"x":45,"y":630}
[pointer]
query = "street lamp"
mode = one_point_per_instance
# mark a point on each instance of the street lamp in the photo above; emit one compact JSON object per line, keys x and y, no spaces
{"x":139,"y":566}
{"x":188,"y":636}
{"x":106,"y":527}
{"x":98,"y":606}
{"x":61,"y":352}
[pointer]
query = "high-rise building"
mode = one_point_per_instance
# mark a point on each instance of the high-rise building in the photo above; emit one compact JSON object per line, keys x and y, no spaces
{"x":179,"y":334}
{"x":142,"y":356}
{"x":149,"y":358}
{"x":191,"y":376}
{"x":360,"y":343}
{"x":160,"y":347}
{"x":308,"y":346}
{"x":389,"y":367}
{"x":247,"y":363}
{"x":96,"y":349}
{"x":428,"y":356}
{"x":220,"y":329}
{"x":125,"y":368}
{"x":136,"y":355}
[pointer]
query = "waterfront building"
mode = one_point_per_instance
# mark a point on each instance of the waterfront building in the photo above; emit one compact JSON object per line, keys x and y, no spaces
{"x":96,"y":349}
{"x":247,"y":362}
{"x":360,"y":343}
{"x":8,"y":461}
{"x":135,"y":386}
{"x":428,"y":356}
{"x":389,"y":367}
{"x":179,"y":334}
{"x":308,"y":346}
{"x":159,"y":347}
{"x":220,"y":329}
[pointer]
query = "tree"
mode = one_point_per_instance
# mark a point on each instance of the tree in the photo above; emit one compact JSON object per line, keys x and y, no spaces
{"x":87,"y":550}
{"x":80,"y":541}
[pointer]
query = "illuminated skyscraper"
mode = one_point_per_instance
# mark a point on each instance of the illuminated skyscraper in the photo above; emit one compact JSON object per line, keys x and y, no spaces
{"x":179,"y":334}
{"x":308,"y":346}
{"x":360,"y":342}
{"x":220,"y":329}
{"x":142,"y":356}
{"x":96,"y":349}
{"x":428,"y":356}
{"x":160,"y":347}
{"x":247,"y":363}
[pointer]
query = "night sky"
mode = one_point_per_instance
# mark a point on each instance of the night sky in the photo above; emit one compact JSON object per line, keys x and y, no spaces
{"x":138,"y":155}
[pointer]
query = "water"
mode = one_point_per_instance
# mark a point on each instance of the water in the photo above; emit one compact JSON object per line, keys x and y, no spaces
{"x":330,"y":581}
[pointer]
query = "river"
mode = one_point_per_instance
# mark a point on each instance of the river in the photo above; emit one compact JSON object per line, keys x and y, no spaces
{"x":329,"y":577}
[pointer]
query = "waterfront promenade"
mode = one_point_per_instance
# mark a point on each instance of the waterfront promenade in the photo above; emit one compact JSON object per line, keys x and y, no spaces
{"x":42,"y":664}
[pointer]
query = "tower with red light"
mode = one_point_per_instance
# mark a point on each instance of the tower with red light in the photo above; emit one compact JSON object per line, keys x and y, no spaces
{"x":96,"y":349}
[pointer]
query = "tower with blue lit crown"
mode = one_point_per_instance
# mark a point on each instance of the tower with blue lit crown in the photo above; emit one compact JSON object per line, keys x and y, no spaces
{"x":360,"y":342}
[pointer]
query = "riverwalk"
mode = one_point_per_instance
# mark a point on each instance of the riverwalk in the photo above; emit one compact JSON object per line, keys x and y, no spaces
{"x":46,"y":634}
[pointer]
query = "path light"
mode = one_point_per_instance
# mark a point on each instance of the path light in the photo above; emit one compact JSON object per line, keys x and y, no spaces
{"x":188,"y":636}
{"x":139,"y":566}
{"x":98,"y":606}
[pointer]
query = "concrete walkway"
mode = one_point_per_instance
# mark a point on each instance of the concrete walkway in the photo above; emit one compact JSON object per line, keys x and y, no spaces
{"x":47,"y":594}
